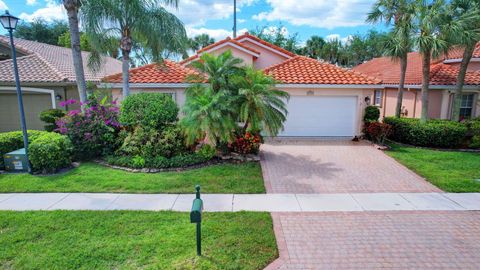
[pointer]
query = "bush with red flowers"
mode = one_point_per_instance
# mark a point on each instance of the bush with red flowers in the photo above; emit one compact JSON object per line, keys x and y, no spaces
{"x":377,"y":132}
{"x":246,"y":143}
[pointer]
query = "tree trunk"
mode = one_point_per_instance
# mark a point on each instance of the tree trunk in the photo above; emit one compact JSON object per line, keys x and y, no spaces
{"x":72,"y":7}
{"x":401,"y":85}
{"x":126,"y":47}
{"x":425,"y":85}
{"x":467,"y":56}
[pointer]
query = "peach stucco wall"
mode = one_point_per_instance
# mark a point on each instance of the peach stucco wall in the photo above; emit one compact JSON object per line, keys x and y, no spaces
{"x":267,"y":57}
{"x":412,"y":103}
{"x":247,"y":58}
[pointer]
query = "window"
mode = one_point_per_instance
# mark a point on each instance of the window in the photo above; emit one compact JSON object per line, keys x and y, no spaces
{"x":466,"y":107}
{"x":377,"y":99}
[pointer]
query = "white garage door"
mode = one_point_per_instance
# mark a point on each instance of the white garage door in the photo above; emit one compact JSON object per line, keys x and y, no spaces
{"x":329,"y":116}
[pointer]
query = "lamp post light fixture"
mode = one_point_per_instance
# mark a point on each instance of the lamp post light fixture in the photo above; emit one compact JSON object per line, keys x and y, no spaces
{"x":9,"y":22}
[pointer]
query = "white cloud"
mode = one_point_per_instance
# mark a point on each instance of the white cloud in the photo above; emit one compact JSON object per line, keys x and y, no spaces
{"x":52,"y":11}
{"x":3,"y":6}
{"x":198,"y":12}
{"x":217,"y":34}
{"x":318,"y":13}
{"x":241,"y":20}
{"x":344,"y":40}
{"x":32,"y":2}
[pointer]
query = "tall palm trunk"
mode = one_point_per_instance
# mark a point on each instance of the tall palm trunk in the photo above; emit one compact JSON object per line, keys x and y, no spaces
{"x":126,"y":47}
{"x":401,"y":85}
{"x":72,"y":7}
{"x":467,"y":56}
{"x":425,"y":85}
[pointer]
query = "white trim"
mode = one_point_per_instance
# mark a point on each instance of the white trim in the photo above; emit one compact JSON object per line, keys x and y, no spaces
{"x":459,"y":60}
{"x":233,"y":45}
{"x":34,"y":90}
{"x":330,"y":86}
{"x":147,"y":85}
{"x":441,"y":87}
{"x":265,"y":47}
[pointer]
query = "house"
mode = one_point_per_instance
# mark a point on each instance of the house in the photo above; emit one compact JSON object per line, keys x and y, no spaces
{"x":443,"y":78}
{"x":326,"y":100}
{"x":47,"y":77}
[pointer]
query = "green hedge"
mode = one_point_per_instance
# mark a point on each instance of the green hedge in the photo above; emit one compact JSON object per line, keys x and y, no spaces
{"x":48,"y":151}
{"x":434,"y":133}
{"x":157,"y":162}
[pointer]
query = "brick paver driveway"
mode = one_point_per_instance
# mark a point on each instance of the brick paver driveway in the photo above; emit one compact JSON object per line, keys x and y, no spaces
{"x":373,"y":240}
{"x":335,"y":167}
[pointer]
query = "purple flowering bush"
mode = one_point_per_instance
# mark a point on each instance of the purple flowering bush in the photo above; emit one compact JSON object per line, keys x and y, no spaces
{"x":93,"y":132}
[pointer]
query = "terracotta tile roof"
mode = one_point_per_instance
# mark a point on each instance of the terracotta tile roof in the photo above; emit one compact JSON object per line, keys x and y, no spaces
{"x":57,"y":63}
{"x":388,"y":71}
{"x":268,"y":44}
{"x":457,"y":52}
{"x":167,"y":72}
{"x":228,"y":40}
{"x":305,"y":70}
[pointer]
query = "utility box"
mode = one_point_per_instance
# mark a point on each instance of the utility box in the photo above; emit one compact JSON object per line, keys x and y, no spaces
{"x":16,"y":161}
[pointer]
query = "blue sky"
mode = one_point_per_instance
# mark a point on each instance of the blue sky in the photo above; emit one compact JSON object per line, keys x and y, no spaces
{"x":326,"y":18}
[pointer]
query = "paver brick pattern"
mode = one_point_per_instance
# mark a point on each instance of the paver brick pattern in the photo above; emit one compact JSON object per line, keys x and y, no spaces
{"x":373,"y":240}
{"x":333,"y":166}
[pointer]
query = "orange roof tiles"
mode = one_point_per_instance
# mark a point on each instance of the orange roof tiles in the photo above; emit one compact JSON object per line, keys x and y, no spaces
{"x":305,"y":70}
{"x":167,"y":72}
{"x":228,"y":40}
{"x":457,"y":52}
{"x":388,"y":71}
{"x":268,"y":44}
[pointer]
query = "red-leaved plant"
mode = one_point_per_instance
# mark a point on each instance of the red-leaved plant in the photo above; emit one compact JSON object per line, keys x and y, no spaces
{"x":246,"y":143}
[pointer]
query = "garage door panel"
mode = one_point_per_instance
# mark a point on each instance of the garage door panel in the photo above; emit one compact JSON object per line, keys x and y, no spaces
{"x":321,"y":116}
{"x":33,"y":105}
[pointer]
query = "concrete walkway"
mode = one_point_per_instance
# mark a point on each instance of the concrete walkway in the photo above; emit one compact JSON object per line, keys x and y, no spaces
{"x":345,"y":202}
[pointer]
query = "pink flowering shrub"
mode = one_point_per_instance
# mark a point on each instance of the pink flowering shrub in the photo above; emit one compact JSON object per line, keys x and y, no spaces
{"x":94,"y":132}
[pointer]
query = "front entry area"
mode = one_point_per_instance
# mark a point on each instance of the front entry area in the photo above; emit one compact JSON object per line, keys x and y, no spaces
{"x":321,"y":116}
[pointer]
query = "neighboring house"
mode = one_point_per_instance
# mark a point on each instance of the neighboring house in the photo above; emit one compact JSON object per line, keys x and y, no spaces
{"x":326,"y":100}
{"x":443,"y":78}
{"x":47,"y":77}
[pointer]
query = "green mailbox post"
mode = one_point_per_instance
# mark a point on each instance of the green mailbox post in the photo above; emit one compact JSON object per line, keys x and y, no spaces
{"x":196,"y":217}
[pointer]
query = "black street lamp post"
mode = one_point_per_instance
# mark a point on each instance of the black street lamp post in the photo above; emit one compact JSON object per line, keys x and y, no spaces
{"x":9,"y":22}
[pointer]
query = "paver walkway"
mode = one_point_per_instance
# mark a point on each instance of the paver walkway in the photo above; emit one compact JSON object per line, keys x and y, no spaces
{"x":378,"y":240}
{"x":346,"y":202}
{"x":331,"y":166}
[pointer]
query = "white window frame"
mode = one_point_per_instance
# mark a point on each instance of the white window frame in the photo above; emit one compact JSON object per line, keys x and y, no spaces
{"x":380,"y":97}
{"x":472,"y":106}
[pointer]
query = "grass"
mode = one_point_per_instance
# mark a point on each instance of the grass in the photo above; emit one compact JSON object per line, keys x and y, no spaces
{"x":450,"y":171}
{"x":92,"y":177}
{"x":134,"y":240}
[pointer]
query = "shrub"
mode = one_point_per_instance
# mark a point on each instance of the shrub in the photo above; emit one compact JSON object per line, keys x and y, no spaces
{"x":434,"y":133}
{"x":246,"y":143}
{"x":148,"y":110}
{"x":159,"y":162}
{"x":94,"y":132}
{"x":148,"y":142}
{"x":11,"y":141}
{"x":377,"y":132}
{"x":475,"y":142}
{"x":207,"y":151}
{"x":372,"y":113}
{"x":50,"y":116}
{"x":50,"y":152}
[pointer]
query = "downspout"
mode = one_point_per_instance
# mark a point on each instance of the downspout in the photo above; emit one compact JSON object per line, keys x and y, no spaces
{"x":415,"y":103}
{"x":384,"y":96}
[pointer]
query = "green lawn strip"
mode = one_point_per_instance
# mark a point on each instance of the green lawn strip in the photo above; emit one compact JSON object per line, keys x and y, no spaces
{"x":92,"y":177}
{"x":448,"y":170}
{"x":134,"y":240}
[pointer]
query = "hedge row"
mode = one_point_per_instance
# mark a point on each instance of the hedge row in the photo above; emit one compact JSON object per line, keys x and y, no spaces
{"x":158,"y":162}
{"x":434,"y":133}
{"x":48,"y":151}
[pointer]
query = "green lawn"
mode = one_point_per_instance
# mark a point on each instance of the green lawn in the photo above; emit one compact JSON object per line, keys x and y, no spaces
{"x":450,"y":171}
{"x":134,"y":240}
{"x":92,"y":177}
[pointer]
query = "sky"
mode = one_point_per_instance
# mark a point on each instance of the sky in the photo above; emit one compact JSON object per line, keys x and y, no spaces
{"x":325,"y":18}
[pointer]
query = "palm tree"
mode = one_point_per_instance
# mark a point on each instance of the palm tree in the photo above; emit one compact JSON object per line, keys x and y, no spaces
{"x":72,"y":7}
{"x":313,"y":47}
{"x":200,"y":41}
{"x":132,"y":20}
{"x":468,"y":10}
{"x":261,"y":106}
{"x":218,"y":69}
{"x":208,"y":115}
{"x":398,"y":13}
{"x":433,"y":28}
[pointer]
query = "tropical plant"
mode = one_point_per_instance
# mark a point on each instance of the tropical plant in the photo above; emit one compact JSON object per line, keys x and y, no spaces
{"x":72,"y":7}
{"x":41,"y":31}
{"x":144,"y":21}
{"x":200,"y":41}
{"x":399,"y":13}
{"x":64,"y":40}
{"x":313,"y":47}
{"x":467,"y":38}
{"x":261,"y":105}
